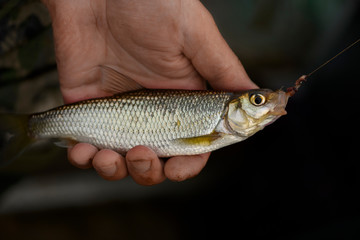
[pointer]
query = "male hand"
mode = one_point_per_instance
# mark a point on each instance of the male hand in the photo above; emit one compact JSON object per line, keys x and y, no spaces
{"x":158,"y":43}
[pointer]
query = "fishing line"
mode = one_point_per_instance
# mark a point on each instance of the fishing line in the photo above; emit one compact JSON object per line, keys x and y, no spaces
{"x":292,"y":90}
{"x":328,"y":61}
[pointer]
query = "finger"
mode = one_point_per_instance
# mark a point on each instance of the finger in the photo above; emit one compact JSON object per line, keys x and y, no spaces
{"x":144,"y":166}
{"x":110,"y":165}
{"x":181,"y":168}
{"x":81,"y":155}
{"x":211,"y":55}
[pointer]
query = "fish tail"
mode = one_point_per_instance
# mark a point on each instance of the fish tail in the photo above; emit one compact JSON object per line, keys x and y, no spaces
{"x":14,"y":136}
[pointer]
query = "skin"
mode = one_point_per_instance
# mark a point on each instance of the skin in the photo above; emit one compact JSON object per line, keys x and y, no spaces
{"x":160,"y":44}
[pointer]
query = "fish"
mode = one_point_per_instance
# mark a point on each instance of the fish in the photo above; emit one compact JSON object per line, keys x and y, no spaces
{"x":170,"y":122}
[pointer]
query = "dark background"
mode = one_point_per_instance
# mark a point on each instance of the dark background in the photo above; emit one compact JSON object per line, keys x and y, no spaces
{"x":297,"y":179}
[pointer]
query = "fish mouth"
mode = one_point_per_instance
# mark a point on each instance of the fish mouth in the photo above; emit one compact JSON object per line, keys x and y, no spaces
{"x":281,"y":101}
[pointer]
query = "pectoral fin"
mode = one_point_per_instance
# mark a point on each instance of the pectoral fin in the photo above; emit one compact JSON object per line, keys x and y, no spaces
{"x":205,"y":140}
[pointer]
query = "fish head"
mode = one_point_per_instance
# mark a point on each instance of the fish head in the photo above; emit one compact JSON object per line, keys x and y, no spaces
{"x":252,"y":110}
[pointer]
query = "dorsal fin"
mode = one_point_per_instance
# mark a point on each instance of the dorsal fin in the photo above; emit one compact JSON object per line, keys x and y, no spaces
{"x":116,"y":82}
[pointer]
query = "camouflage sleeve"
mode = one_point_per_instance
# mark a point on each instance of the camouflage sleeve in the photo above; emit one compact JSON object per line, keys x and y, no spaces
{"x":27,"y":58}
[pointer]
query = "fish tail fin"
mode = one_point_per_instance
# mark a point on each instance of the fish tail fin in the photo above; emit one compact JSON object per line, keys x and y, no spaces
{"x":13,"y":136}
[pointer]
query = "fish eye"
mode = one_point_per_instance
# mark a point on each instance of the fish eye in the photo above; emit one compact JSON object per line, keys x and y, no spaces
{"x":257,"y":99}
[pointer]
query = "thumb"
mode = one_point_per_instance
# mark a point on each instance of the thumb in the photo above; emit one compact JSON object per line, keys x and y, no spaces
{"x":210,"y":54}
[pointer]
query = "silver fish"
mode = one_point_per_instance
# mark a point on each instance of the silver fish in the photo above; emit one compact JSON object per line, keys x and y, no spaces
{"x":170,"y":122}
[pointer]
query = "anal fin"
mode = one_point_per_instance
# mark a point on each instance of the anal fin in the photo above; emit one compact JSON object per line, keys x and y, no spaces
{"x":65,"y":142}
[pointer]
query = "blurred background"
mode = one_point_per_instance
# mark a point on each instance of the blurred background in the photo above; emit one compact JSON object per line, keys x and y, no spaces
{"x":297,"y":179}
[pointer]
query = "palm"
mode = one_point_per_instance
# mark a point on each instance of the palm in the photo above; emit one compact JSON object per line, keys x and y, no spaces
{"x":129,"y":40}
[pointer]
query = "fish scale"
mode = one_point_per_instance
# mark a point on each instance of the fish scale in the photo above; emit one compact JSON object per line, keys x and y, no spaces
{"x":155,"y":118}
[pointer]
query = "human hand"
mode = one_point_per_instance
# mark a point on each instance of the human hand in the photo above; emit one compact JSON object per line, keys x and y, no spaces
{"x":160,"y":44}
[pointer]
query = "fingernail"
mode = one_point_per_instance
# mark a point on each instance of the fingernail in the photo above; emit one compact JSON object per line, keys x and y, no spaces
{"x":140,"y":166}
{"x":109,"y":171}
